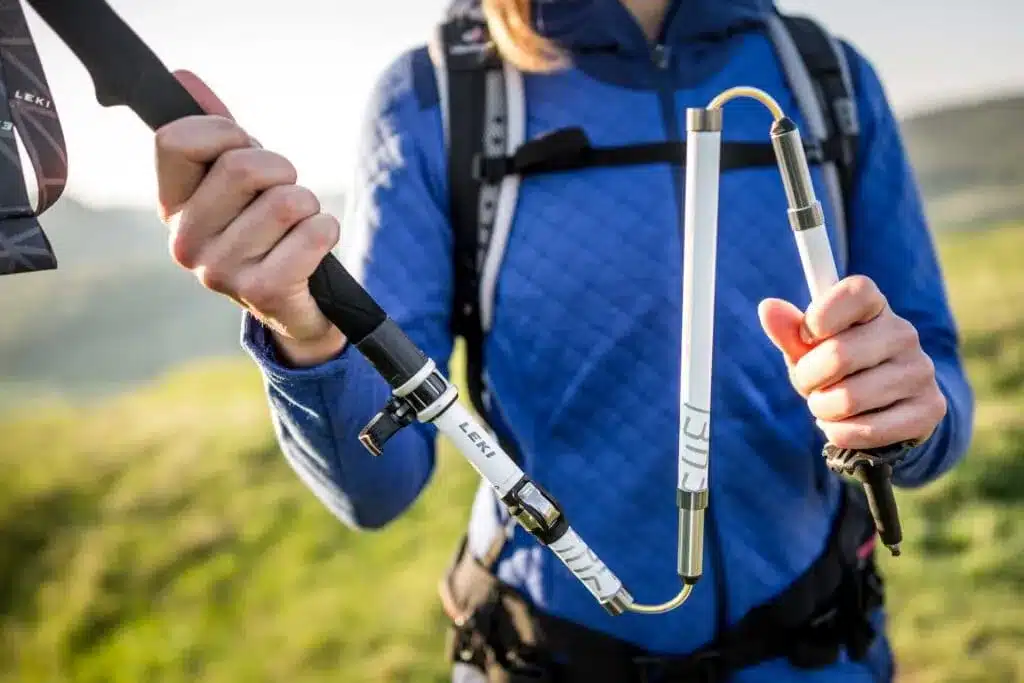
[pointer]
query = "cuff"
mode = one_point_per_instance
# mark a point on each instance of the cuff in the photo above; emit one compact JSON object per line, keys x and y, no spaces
{"x":258,"y":343}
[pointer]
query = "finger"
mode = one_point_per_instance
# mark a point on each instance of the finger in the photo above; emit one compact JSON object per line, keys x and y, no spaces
{"x":910,"y":419}
{"x":781,"y":321}
{"x":294,"y":259}
{"x":304,"y":247}
{"x":260,"y":226}
{"x":854,"y":350}
{"x":202,"y":94}
{"x":235,"y":179}
{"x":870,"y":390}
{"x":184,"y":150}
{"x":853,"y":300}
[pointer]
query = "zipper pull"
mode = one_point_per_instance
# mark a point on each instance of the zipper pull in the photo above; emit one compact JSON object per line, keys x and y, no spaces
{"x":661,"y":55}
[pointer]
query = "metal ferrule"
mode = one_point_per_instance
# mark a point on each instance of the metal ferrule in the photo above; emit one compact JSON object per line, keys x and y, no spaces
{"x":691,"y":544}
{"x":618,"y":603}
{"x":692,"y":505}
{"x":807,"y":217}
{"x":700,"y":120}
{"x":804,"y":209}
{"x":692,"y":500}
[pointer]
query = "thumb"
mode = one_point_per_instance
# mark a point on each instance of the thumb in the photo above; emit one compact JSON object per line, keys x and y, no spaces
{"x":782,"y":321}
{"x":202,"y":94}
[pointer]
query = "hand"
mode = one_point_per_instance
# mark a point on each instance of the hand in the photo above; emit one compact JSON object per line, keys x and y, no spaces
{"x":242,"y":225}
{"x":860,"y":366}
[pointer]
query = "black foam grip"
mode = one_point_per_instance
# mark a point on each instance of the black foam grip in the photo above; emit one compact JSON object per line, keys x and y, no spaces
{"x":344,"y":301}
{"x":877,"y":482}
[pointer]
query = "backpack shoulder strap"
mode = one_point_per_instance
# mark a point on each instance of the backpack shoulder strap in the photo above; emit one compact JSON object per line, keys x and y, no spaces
{"x":817,"y":71}
{"x":482,"y":98}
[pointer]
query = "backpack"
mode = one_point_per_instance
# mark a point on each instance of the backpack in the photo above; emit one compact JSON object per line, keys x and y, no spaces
{"x":482,"y":97}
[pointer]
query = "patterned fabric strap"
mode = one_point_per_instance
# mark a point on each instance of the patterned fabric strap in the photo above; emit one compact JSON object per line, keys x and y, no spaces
{"x":26,"y":108}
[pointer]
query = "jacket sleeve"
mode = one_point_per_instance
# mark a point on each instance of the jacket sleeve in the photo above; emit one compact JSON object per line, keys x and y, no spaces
{"x":890,"y":242}
{"x":395,"y":240}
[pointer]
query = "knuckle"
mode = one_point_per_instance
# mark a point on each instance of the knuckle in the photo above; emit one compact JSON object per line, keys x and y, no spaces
{"x":837,"y":358}
{"x":906,"y":334}
{"x":253,"y":168}
{"x":846,"y":402}
{"x":215,"y":277}
{"x":240,"y":167}
{"x":166,"y":139}
{"x":860,"y":287}
{"x":184,"y":251}
{"x":938,"y":405}
{"x":292,"y":203}
{"x":322,"y":234}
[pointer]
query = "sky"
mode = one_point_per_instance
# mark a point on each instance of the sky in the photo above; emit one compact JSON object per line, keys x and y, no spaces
{"x":297,"y":74}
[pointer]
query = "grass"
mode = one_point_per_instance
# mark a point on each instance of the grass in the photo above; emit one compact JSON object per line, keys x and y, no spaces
{"x":160,"y":537}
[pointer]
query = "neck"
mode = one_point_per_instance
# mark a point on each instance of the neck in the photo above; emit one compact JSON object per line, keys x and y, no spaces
{"x":650,"y":14}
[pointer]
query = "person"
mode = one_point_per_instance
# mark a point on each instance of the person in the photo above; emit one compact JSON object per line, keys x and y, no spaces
{"x":582,"y":357}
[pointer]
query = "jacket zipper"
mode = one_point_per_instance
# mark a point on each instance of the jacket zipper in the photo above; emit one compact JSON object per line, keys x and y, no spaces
{"x":661,"y":57}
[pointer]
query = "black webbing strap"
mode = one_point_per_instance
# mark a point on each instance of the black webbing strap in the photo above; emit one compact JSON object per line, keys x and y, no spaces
{"x":26,"y":106}
{"x":825,"y":609}
{"x":569,"y":149}
{"x":467,"y":69}
{"x":818,"y":53}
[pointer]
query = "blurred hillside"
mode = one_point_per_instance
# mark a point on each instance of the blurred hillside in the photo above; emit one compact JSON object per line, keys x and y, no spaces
{"x":117,"y":311}
{"x":968,"y":162}
{"x":161,"y":537}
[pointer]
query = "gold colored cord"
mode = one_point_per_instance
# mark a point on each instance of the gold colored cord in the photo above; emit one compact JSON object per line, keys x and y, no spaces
{"x":747,"y":91}
{"x":665,"y":606}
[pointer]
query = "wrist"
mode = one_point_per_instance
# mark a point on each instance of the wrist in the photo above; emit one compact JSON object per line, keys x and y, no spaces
{"x":305,"y":353}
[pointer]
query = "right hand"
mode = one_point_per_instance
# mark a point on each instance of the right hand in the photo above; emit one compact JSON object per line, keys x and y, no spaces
{"x":242,"y":225}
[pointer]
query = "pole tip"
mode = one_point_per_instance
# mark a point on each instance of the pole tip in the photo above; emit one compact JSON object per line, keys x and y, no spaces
{"x":783,"y":125}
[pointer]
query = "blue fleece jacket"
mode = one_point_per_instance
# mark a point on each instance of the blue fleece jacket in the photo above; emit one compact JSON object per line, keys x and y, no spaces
{"x":583,"y":355}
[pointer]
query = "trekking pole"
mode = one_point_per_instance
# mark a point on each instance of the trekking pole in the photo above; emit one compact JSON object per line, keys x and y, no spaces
{"x":871,"y":467}
{"x":126,"y":72}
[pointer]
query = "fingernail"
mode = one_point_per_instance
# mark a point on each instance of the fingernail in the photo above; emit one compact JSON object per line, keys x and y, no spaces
{"x":805,"y":334}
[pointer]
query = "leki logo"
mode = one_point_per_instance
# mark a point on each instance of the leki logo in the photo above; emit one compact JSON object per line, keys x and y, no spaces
{"x":32,"y":98}
{"x":473,"y":35}
{"x":471,"y":41}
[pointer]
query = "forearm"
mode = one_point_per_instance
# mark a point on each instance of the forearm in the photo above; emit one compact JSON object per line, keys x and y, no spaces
{"x":318,"y":412}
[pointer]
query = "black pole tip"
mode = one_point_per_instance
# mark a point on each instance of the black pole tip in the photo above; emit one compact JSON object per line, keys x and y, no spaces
{"x":783,"y":125}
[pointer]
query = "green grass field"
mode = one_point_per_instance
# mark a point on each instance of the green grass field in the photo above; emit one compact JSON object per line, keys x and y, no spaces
{"x":160,"y":537}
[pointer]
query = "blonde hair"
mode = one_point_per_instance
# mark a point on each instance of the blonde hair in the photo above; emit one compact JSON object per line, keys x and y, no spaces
{"x":518,"y":42}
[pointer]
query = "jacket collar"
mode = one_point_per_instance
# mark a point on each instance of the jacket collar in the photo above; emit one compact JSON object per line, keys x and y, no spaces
{"x":594,"y":24}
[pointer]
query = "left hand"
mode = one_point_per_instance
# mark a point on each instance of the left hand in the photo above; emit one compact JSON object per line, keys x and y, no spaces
{"x":860,"y":366}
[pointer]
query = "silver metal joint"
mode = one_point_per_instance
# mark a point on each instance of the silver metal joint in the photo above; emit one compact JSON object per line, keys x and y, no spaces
{"x":807,"y":217}
{"x":692,"y":505}
{"x":618,"y":603}
{"x":700,"y":120}
{"x":534,"y":510}
{"x":691,"y":545}
{"x":792,"y":162}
